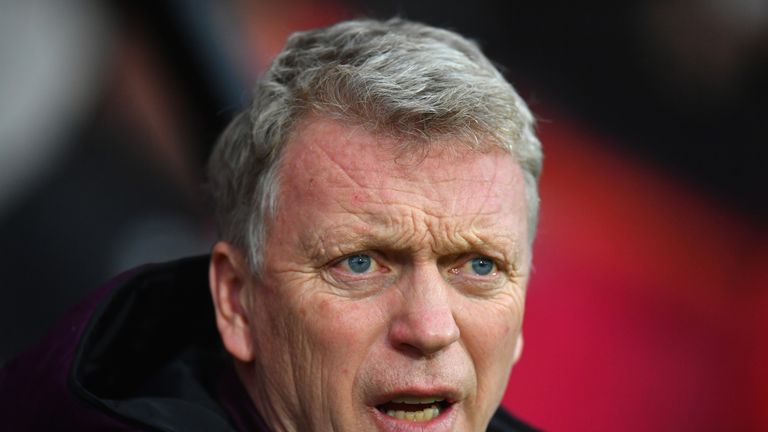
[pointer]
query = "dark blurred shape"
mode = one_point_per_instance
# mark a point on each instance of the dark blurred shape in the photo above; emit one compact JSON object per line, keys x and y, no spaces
{"x":53,"y":58}
{"x":123,"y":184}
{"x":683,"y":84}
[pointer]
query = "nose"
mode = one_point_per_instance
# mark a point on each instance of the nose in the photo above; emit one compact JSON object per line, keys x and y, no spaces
{"x":425,"y":323}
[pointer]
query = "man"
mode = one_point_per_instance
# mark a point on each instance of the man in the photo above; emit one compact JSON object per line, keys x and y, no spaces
{"x":376,"y":206}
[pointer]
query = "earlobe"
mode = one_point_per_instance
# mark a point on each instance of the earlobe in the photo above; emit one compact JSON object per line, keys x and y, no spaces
{"x":229,"y":278}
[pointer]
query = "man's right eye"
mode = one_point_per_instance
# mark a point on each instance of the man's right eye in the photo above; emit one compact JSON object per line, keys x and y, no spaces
{"x":358,"y":264}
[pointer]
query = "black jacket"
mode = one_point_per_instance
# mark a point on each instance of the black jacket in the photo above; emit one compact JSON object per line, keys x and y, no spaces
{"x":142,"y":353}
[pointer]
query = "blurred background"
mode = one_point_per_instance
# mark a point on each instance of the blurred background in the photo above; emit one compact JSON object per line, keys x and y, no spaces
{"x":648,"y":308}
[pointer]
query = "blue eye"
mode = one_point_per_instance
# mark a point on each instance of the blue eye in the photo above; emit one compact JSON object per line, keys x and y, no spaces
{"x":359,"y":263}
{"x":483,"y":266}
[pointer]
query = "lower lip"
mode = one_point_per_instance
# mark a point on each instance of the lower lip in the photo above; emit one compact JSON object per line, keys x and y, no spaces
{"x":445,"y":421}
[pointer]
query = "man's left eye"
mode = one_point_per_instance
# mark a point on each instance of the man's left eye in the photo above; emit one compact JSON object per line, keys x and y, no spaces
{"x":481,"y":266}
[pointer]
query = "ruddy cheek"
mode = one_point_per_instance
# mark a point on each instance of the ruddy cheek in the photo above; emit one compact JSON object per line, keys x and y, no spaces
{"x":334,"y":324}
{"x":493,"y":336}
{"x":336,"y":311}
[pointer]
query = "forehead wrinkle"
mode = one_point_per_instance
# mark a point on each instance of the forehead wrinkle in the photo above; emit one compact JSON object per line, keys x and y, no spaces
{"x":345,"y":172}
{"x":343,"y":240}
{"x":370,"y":207}
{"x":475,"y":238}
{"x":422,"y":188}
{"x":389,"y":196}
{"x":335,"y":151}
{"x":416,"y":222}
{"x":391,"y":189}
{"x":319,"y":153}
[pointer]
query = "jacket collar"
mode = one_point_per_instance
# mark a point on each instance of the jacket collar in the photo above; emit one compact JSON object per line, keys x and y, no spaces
{"x":151,"y":355}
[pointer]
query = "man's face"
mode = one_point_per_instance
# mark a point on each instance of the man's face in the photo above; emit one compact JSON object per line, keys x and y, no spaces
{"x":393,"y":290}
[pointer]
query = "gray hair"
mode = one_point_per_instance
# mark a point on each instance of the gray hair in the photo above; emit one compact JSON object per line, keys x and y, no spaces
{"x":400,"y":78}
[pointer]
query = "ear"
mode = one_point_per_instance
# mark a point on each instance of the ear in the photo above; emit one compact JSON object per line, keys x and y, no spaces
{"x":229,"y":278}
{"x":518,"y":348}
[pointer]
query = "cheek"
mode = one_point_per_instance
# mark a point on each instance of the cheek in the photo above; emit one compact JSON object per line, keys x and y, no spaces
{"x":490,"y":333}
{"x":342,"y":332}
{"x":491,"y":338}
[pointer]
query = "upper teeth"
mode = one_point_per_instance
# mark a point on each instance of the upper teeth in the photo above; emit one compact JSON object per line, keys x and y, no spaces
{"x":417,"y":400}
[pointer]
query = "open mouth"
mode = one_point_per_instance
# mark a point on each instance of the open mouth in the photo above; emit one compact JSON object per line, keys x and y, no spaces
{"x":416,"y":409}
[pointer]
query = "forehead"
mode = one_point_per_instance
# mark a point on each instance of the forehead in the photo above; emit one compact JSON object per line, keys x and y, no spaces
{"x":323,"y":148}
{"x":357,"y":178}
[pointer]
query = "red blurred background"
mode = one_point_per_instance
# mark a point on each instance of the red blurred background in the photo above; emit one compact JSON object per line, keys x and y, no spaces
{"x":649,"y":302}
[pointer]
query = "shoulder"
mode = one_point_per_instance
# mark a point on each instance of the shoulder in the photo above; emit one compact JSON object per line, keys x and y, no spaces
{"x":71,"y":379}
